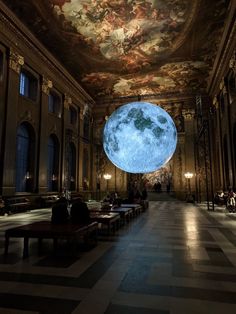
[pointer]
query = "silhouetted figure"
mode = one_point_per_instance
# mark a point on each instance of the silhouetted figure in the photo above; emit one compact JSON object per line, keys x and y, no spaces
{"x":60,"y":212}
{"x":144,"y":193}
{"x":79,"y":212}
{"x":134,"y":194}
{"x":168,"y":187}
{"x":158,"y":186}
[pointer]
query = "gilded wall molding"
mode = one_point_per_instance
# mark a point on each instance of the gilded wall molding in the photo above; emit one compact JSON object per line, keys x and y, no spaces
{"x":232,"y":62}
{"x":27,"y":116}
{"x":16,"y":61}
{"x":46,"y":85}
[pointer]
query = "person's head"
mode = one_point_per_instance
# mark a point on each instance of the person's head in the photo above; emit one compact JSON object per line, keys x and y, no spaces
{"x":77,"y":200}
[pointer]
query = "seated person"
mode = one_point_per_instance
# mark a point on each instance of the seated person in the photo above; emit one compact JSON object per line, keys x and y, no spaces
{"x":2,"y":205}
{"x":231,"y":198}
{"x":60,"y":212}
{"x":79,"y":212}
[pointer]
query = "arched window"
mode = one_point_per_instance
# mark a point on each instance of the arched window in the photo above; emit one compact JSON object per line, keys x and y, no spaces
{"x":24,"y":158}
{"x":86,"y":126}
{"x":72,"y":166}
{"x":234,"y":146}
{"x":85,"y":169}
{"x":53,"y":163}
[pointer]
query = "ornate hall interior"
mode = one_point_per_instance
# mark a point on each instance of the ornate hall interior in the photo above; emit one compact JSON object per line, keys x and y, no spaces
{"x":65,"y":67}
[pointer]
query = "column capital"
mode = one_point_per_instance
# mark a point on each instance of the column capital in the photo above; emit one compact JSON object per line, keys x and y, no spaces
{"x":46,"y":85}
{"x":188,"y":114}
{"x":16,"y":61}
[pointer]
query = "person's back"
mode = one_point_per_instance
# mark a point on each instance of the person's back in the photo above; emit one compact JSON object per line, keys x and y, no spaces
{"x":79,"y":212}
{"x":60,"y":212}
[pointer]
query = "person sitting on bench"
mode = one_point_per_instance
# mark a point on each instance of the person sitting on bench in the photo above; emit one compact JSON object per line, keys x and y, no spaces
{"x":60,"y":214}
{"x":79,"y":212}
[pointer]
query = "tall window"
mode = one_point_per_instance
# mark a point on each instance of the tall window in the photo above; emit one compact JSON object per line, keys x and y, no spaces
{"x":54,"y":103}
{"x":28,"y":85}
{"x":53,"y":163}
{"x":72,"y":166}
{"x":86,"y":126}
{"x":85,"y":169}
{"x":73,"y":116}
{"x":24,"y":159}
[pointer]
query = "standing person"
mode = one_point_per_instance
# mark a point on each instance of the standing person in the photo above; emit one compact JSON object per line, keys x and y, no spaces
{"x":79,"y":212}
{"x":168,"y":187}
{"x":60,"y":212}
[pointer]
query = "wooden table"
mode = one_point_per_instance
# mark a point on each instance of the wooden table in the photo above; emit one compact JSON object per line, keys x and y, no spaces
{"x":125,"y":212}
{"x":47,"y":230}
{"x":135,"y":207}
{"x":107,"y":218}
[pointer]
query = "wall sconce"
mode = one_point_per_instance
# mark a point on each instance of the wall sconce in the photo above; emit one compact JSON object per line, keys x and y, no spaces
{"x":188,"y":176}
{"x":107,"y":177}
{"x":27,"y":176}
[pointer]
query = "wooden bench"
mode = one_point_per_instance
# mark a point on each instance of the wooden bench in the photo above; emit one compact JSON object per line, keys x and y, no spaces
{"x":17,"y":204}
{"x":46,"y":230}
{"x":47,"y":200}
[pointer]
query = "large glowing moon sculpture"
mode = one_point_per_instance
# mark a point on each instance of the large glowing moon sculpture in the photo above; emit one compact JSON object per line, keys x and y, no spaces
{"x":139,"y":137}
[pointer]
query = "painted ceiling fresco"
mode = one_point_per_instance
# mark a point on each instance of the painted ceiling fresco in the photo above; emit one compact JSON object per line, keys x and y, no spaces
{"x":118,"y":48}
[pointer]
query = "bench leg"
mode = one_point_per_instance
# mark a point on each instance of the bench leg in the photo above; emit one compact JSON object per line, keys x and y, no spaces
{"x":6,"y":245}
{"x":26,"y":247}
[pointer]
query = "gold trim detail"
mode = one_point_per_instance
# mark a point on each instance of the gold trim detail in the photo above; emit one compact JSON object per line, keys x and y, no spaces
{"x":46,"y":85}
{"x":16,"y":61}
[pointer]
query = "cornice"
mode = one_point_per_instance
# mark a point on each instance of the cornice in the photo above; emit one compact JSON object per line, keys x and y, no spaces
{"x":9,"y":23}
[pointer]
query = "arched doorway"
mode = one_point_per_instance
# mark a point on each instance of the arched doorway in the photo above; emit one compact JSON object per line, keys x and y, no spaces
{"x":72,"y":166}
{"x":226,"y":163}
{"x":53,"y":163}
{"x":25,"y":158}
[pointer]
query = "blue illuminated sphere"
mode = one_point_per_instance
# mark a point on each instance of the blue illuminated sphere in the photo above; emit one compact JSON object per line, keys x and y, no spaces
{"x":139,"y":137}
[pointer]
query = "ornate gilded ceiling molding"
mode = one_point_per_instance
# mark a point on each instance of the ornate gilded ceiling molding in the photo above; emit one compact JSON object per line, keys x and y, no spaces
{"x":46,"y":85}
{"x":188,"y":114}
{"x":16,"y":61}
{"x":67,"y":101}
{"x":223,"y":87}
{"x":215,"y":103}
{"x":232,"y":62}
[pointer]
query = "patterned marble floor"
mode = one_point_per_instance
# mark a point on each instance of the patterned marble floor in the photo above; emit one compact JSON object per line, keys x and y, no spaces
{"x":173,"y":258}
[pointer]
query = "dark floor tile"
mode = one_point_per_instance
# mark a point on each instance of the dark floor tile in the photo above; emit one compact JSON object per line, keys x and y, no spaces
{"x":204,"y":294}
{"x":57,"y":261}
{"x":231,"y":237}
{"x":38,"y":304}
{"x":123,"y":309}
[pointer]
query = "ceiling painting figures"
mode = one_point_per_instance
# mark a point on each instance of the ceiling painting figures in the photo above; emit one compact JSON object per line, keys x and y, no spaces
{"x":117,"y":48}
